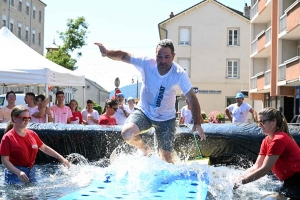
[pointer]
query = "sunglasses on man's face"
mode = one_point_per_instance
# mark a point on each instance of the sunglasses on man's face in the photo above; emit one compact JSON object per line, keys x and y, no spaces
{"x":115,"y":108}
{"x":262,"y":122}
{"x":24,"y":118}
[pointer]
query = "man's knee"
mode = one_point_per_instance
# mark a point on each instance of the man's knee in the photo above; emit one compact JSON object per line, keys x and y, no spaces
{"x":129,"y":130}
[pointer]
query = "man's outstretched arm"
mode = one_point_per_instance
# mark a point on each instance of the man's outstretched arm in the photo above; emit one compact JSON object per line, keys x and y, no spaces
{"x":112,"y":54}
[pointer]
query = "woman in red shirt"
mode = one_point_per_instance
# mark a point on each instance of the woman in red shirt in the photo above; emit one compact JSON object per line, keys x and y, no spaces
{"x":19,"y":147}
{"x":77,"y":117}
{"x":107,"y":117}
{"x":278,"y":152}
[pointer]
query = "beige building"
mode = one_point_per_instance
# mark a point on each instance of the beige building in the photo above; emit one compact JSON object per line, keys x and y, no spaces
{"x":92,"y":91}
{"x":212,"y":43}
{"x":275,"y":55}
{"x":25,"y":19}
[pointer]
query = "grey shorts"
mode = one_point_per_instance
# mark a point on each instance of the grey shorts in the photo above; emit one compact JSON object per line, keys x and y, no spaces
{"x":164,"y":130}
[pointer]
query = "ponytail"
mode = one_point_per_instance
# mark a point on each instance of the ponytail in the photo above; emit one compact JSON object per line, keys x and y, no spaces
{"x":9,"y":126}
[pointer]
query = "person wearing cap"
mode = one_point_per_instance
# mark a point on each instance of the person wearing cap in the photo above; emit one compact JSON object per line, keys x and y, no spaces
{"x":131,"y":104}
{"x":123,"y":110}
{"x":156,"y":108}
{"x":240,"y":110}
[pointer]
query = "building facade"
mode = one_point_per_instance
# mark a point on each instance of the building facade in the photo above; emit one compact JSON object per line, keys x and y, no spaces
{"x":25,"y":19}
{"x":275,"y":55}
{"x":91,"y":90}
{"x":212,"y":44}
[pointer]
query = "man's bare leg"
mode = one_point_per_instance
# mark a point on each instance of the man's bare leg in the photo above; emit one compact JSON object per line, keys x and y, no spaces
{"x":166,"y":155}
{"x":131,"y":135}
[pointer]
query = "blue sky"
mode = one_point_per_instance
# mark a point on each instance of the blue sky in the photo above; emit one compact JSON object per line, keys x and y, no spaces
{"x":129,"y":25}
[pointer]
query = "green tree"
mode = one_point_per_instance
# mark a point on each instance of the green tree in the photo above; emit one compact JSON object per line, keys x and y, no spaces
{"x":73,"y":39}
{"x":98,"y":108}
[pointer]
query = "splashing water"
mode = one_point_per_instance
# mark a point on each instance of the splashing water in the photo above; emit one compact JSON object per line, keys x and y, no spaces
{"x":140,"y":175}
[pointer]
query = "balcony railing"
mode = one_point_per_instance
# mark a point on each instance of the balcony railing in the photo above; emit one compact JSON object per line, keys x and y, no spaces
{"x":254,"y":10}
{"x":267,"y":77}
{"x":282,"y":72}
{"x":282,"y":23}
{"x":253,"y":82}
{"x":268,"y":35}
{"x":254,"y":46}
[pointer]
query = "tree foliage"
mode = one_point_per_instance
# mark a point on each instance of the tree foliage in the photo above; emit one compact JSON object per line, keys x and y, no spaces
{"x":62,"y":58}
{"x":73,"y":39}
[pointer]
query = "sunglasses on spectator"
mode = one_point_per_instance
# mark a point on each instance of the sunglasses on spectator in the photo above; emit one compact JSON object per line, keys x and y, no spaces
{"x":262,"y":122}
{"x":115,"y":108}
{"x":23,"y":118}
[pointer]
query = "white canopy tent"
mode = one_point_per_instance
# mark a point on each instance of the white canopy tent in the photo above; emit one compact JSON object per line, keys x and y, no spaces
{"x":21,"y":65}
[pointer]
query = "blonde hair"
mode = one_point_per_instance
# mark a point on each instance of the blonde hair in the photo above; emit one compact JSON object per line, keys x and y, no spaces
{"x":281,"y":124}
{"x":16,"y":111}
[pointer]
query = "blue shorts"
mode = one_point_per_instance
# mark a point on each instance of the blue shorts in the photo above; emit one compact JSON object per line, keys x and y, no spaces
{"x":164,"y":130}
{"x":13,"y":179}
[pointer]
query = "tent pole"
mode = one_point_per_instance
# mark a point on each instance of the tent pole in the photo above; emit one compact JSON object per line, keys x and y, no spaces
{"x":83,"y":87}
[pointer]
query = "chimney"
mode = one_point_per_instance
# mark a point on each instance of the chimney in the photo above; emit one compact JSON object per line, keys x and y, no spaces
{"x":246,"y":11}
{"x":171,"y":15}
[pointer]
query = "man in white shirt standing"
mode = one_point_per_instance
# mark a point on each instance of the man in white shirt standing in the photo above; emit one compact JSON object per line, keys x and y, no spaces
{"x":123,"y":110}
{"x":186,"y":114}
{"x":156,"y":107}
{"x":239,"y":110}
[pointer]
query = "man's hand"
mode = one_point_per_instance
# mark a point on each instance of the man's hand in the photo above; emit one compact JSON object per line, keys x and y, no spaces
{"x":101,"y":48}
{"x":198,"y":128}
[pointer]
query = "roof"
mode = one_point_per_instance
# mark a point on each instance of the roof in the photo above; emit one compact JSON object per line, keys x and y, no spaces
{"x":204,"y":1}
{"x":96,"y":85}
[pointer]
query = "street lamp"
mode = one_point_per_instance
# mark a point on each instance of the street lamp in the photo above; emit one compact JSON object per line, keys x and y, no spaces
{"x":137,"y":84}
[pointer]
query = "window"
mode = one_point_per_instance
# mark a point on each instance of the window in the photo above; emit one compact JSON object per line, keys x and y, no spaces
{"x":40,"y":39}
{"x":233,"y":37}
{"x":298,"y":50}
{"x":19,"y":30}
{"x":33,"y":36}
{"x":40,"y":16}
{"x":184,"y":36}
{"x":27,"y":8}
{"x":20,"y":5}
{"x":11,"y":25}
{"x":3,"y":20}
{"x":26,"y":33}
{"x":33,"y":13}
{"x":232,"y":68}
{"x":12,"y":2}
{"x":185,"y":63}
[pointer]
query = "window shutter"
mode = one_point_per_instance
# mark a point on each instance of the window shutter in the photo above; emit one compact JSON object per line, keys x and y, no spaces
{"x":184,"y":36}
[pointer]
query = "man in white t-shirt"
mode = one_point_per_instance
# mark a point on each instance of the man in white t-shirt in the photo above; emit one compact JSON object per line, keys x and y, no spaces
{"x":156,"y":107}
{"x":89,"y":115}
{"x":186,"y":114}
{"x":123,"y":110}
{"x":32,"y":108}
{"x":239,"y":110}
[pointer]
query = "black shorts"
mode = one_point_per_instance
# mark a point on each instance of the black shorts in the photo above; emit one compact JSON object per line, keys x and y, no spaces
{"x":164,"y":130}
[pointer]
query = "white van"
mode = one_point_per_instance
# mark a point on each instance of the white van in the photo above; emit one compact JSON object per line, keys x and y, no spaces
{"x":19,"y":100}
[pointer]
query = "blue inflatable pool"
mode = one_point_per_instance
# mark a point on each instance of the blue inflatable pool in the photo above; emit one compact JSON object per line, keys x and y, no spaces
{"x":166,"y":185}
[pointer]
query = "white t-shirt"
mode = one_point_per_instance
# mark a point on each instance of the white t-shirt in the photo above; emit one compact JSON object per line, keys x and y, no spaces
{"x":187,"y":114}
{"x":120,"y":115}
{"x":85,"y":114}
{"x":131,"y":110}
{"x":239,"y":113}
{"x":33,"y":110}
{"x":158,"y":93}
